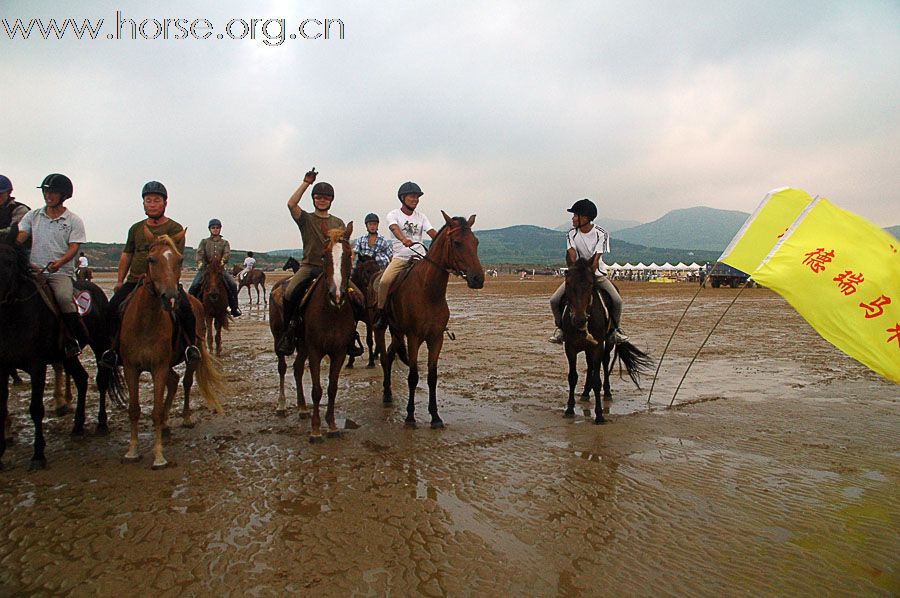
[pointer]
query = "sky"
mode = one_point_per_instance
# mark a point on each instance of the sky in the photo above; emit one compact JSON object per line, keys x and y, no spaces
{"x":508,"y":110}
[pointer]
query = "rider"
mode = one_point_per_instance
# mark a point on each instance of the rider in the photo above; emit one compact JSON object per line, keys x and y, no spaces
{"x":249,"y":263}
{"x":409,"y":227}
{"x":133,"y":264}
{"x":373,"y":244}
{"x":57,"y":233}
{"x":588,"y":241}
{"x":313,"y":227}
{"x":11,"y":211}
{"x":209,"y":248}
{"x":82,"y":261}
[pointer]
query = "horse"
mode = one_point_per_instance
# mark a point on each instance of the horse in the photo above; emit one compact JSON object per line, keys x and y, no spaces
{"x":29,"y":340}
{"x":586,"y":327}
{"x":418,"y":309}
{"x":278,"y":324}
{"x":84,"y":274}
{"x":252,"y":277}
{"x":149,"y":342}
{"x":214,"y":296}
{"x":364,"y":273}
{"x":291,"y":264}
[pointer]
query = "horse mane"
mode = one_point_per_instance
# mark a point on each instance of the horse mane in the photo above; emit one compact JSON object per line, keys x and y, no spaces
{"x":168,"y":241}
{"x":461,"y":222}
{"x":335,"y":235}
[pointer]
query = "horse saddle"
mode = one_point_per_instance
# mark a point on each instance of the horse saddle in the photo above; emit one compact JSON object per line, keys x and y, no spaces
{"x":44,"y":290}
{"x":398,"y":280}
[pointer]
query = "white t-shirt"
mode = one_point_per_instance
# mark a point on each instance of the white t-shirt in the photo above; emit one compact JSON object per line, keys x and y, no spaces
{"x":414,"y":226}
{"x":588,"y":244}
{"x":249,"y":262}
{"x":83,"y":261}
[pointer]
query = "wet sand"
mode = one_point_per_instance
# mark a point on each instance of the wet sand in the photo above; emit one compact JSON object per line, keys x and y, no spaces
{"x":777,"y":473}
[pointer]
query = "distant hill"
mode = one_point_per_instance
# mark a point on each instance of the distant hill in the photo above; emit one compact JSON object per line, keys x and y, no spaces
{"x":105,"y":256}
{"x":610,"y":224}
{"x":691,"y":228}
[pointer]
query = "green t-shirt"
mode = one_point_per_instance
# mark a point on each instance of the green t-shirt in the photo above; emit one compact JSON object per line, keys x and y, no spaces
{"x":138,"y":245}
{"x":314,"y":238}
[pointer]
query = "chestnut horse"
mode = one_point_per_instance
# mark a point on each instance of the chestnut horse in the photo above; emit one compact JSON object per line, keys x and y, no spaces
{"x":277,"y":324}
{"x":149,"y":342}
{"x":587,"y":327}
{"x":214,"y":295}
{"x":418,"y":309}
{"x":328,"y":326}
{"x":363,"y":274}
{"x":254,"y":277}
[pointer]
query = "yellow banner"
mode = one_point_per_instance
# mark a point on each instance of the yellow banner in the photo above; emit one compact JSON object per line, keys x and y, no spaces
{"x":765,"y":228}
{"x":842,"y":274}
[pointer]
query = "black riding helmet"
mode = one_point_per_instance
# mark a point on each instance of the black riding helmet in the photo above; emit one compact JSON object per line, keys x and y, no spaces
{"x":408,"y":188}
{"x":371,"y":217}
{"x":584,"y":207}
{"x":155,"y":187}
{"x":323,"y":189}
{"x":58,"y":183}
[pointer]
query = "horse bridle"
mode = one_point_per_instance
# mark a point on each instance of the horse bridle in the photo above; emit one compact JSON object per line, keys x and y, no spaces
{"x":424,"y":256}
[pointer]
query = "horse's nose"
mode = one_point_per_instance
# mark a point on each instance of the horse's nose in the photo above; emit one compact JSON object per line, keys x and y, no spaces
{"x":476,"y":281}
{"x":579,"y":320}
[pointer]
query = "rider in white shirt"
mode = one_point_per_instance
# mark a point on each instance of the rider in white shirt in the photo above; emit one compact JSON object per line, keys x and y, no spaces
{"x":249,"y":263}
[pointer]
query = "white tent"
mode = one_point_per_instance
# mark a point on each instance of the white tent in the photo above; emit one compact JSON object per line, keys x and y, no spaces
{"x":628,"y":267}
{"x":615,"y":266}
{"x":640,"y":266}
{"x":682,"y":267}
{"x":653,"y":267}
{"x":667,"y":266}
{"x":694,"y":266}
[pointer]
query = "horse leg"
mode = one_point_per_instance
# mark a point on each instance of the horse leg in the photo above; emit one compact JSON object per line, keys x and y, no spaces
{"x":4,"y":413}
{"x":187,"y":383}
{"x":132,"y":379}
{"x":160,"y":384}
{"x":218,"y":339}
{"x":334,"y":372}
{"x":315,"y":429}
{"x":412,"y":379}
{"x":104,"y":381}
{"x":572,"y":357}
{"x":74,"y":369}
{"x":387,"y":359}
{"x":303,"y":412}
{"x":280,"y":409}
{"x":370,"y":344}
{"x":607,"y":393}
{"x":265,"y":301}
{"x":596,"y":360}
{"x":209,"y":331}
{"x":434,"y":352}
{"x":60,"y":390}
{"x":350,"y":359}
{"x":38,"y":374}
{"x":586,"y":393}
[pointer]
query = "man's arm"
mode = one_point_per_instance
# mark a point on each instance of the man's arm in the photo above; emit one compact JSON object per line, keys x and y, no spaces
{"x":595,"y":263}
{"x":66,"y":258}
{"x":294,"y":202}
{"x":226,"y":255}
{"x":17,"y":216}
{"x":395,"y":228}
{"x":432,"y":233}
{"x":124,"y":266}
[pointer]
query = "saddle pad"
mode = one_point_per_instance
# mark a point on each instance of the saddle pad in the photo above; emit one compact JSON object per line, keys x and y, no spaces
{"x":83,"y":302}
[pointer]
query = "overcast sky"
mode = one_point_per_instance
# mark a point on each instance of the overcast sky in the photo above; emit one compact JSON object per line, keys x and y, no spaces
{"x":508,"y":110}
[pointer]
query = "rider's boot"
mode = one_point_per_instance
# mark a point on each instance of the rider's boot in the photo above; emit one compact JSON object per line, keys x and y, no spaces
{"x":287,"y":342}
{"x":620,"y":336}
{"x":557,"y":336}
{"x":188,"y":323}
{"x":233,"y":303}
{"x":76,"y":334}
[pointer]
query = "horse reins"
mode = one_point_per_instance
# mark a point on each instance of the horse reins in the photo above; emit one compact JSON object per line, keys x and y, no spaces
{"x":424,"y":256}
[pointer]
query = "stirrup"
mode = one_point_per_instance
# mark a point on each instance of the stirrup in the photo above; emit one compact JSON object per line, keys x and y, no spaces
{"x":108,"y":360}
{"x":235,"y":312}
{"x":557,"y":337}
{"x":620,"y":336}
{"x":192,"y":355}
{"x":71,"y":348}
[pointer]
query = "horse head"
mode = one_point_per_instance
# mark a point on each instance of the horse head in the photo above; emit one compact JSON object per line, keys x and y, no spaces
{"x":579,"y":290}
{"x":164,"y":265}
{"x":456,"y":249}
{"x":338,"y":262}
{"x":213,"y":287}
{"x":291,"y":264}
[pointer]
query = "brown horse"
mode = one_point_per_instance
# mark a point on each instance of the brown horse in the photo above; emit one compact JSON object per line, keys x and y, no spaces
{"x":587,"y":327}
{"x":328,"y":326}
{"x":253,"y":277}
{"x":363,"y":275}
{"x":418,"y":308}
{"x":278,"y":324}
{"x":149,"y":342}
{"x":214,"y":295}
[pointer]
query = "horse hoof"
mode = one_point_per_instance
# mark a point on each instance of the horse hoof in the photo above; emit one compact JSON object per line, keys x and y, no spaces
{"x":166,"y":432}
{"x":370,"y":366}
{"x":134,"y":459}
{"x":188,"y":423}
{"x":410,"y":423}
{"x":349,"y":366}
{"x":586,"y":397}
{"x":78,"y":434}
{"x":61,"y":411}
{"x":600,"y":421}
{"x":303,"y":415}
{"x":334,"y":433}
{"x":607,"y":397}
{"x":437,"y":425}
{"x":37,"y":464}
{"x":161,"y":465}
{"x":101,"y":431}
{"x":387,"y":400}
{"x":569,"y":414}
{"x":316,"y":439}
{"x":281,"y":413}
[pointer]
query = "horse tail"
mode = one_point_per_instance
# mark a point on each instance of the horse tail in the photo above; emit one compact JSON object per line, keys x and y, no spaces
{"x":116,"y":388}
{"x":636,"y":362}
{"x":209,"y":378}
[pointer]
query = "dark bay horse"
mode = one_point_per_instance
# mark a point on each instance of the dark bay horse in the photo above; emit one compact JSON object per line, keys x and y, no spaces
{"x":364,"y":274}
{"x":149,"y":342}
{"x":253,"y":278}
{"x":214,"y":295}
{"x":291,"y":264}
{"x":84,"y":274}
{"x":586,"y":327}
{"x":29,"y":340}
{"x":328,"y":326}
{"x":418,"y":308}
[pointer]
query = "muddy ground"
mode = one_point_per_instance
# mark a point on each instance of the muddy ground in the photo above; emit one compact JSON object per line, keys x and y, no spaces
{"x":777,"y":473}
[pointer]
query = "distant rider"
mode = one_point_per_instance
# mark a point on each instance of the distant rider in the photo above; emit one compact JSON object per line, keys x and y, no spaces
{"x":11,"y":211}
{"x":209,"y":248}
{"x":373,"y":244}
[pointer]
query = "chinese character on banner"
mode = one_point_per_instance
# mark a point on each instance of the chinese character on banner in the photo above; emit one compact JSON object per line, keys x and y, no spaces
{"x":847,"y":281}
{"x":817,"y":259}
{"x":875,"y":308}
{"x":896,"y":331}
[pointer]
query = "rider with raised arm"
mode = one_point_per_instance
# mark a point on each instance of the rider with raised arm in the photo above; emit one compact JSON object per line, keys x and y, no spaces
{"x":588,"y":241}
{"x":56,"y":234}
{"x":209,"y":248}
{"x":314,"y":227}
{"x":409,"y":227}
{"x":133,"y":264}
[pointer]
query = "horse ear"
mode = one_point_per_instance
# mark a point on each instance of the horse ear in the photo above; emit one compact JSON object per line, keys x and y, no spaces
{"x":471,"y":220}
{"x":148,"y":234}
{"x":447,"y":218}
{"x":348,"y":231}
{"x":178,"y":238}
